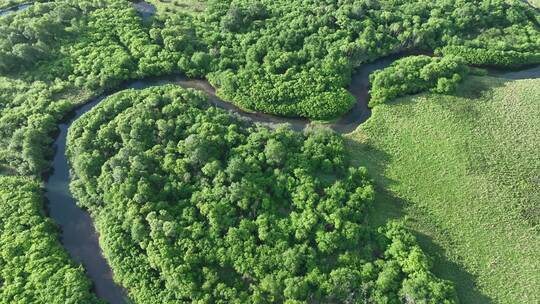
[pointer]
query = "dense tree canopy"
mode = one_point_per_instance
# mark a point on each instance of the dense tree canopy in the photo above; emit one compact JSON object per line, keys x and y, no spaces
{"x":34,"y":268}
{"x":295,"y":58}
{"x":194,"y":204}
{"x":292,"y":58}
{"x":492,"y":57}
{"x":34,"y":34}
{"x":28,"y":118}
{"x":416,"y":74}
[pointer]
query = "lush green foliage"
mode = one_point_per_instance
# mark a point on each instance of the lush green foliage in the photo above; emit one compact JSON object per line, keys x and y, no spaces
{"x":31,"y":110}
{"x":468,"y":169}
{"x":284,"y":57}
{"x":493,"y":57}
{"x":28,"y":118}
{"x":53,"y":54}
{"x":279,"y":57}
{"x":513,"y":46}
{"x":25,"y":43}
{"x":34,"y":268}
{"x":193,"y":204}
{"x":83,"y":43}
{"x":295,"y":58}
{"x":416,"y":74}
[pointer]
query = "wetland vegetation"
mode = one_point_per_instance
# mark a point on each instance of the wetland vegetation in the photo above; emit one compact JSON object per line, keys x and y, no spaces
{"x":195,"y":203}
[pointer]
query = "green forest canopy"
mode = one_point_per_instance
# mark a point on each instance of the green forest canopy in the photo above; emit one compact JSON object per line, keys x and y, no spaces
{"x":34,"y":268}
{"x":289,"y":58}
{"x":193,"y":204}
{"x":416,"y":74}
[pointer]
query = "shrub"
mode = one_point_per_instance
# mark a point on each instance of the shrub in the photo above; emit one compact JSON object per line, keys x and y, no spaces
{"x":416,"y":74}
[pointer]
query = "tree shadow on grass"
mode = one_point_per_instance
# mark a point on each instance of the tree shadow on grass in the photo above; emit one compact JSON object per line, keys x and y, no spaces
{"x":388,"y":206}
{"x":474,"y":87}
{"x":464,"y":282}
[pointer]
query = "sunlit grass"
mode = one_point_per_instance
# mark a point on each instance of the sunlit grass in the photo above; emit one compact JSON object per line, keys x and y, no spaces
{"x":466,"y":171}
{"x":175,"y":6}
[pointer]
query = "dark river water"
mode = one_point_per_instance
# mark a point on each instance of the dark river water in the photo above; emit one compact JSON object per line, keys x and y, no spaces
{"x":78,"y":233}
{"x":14,"y":9}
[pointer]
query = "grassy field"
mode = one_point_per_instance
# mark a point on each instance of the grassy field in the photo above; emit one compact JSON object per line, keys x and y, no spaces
{"x":175,"y":6}
{"x":465,"y":170}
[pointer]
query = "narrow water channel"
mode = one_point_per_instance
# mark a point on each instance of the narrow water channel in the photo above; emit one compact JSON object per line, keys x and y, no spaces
{"x":13,"y":9}
{"x":78,"y":233}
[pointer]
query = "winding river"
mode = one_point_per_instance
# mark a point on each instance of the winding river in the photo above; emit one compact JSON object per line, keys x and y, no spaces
{"x":78,"y":233}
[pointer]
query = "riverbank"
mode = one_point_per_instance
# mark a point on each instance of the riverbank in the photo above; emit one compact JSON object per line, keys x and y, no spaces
{"x":78,"y":233}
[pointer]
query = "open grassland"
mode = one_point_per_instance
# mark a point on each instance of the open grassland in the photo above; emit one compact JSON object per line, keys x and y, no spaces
{"x":175,"y":6}
{"x":466,"y":171}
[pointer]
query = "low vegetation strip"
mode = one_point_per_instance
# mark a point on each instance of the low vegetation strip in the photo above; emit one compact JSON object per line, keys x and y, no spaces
{"x":489,"y":57}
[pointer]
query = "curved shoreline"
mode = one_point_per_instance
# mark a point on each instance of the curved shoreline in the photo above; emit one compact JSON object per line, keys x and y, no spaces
{"x":78,"y":233}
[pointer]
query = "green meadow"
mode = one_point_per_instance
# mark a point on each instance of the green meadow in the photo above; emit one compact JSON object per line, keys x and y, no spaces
{"x":465,"y":171}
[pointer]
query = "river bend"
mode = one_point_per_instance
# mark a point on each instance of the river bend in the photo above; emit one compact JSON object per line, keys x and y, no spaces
{"x":78,"y":233}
